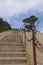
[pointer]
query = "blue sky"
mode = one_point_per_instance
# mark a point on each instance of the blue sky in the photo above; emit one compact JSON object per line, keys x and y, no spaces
{"x":14,"y":11}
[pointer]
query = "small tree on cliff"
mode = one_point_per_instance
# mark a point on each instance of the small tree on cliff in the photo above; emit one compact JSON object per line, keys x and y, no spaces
{"x":30,"y":25}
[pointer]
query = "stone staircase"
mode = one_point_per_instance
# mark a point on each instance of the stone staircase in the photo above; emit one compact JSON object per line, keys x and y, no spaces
{"x":12,"y":50}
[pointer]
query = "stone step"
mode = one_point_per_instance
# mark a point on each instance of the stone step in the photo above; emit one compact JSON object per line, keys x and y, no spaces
{"x":11,"y":41}
{"x":15,"y":64}
{"x":14,"y":46}
{"x":11,"y":47}
{"x":11,"y":37}
{"x":12,"y":55}
{"x":11,"y":44}
{"x":12,"y":52}
{"x":14,"y":60}
{"x":15,"y":40}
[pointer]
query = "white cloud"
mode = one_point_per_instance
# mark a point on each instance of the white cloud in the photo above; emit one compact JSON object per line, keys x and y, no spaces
{"x":10,"y":7}
{"x":41,"y":30}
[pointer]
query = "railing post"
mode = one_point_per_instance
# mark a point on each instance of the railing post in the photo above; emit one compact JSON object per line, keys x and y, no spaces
{"x":25,"y":37}
{"x":34,"y":49}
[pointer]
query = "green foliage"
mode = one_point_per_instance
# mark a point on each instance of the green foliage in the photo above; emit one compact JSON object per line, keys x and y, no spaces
{"x":28,"y":27}
{"x":30,"y":22}
{"x":31,"y":19}
{"x":23,"y":29}
{"x":4,"y":25}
